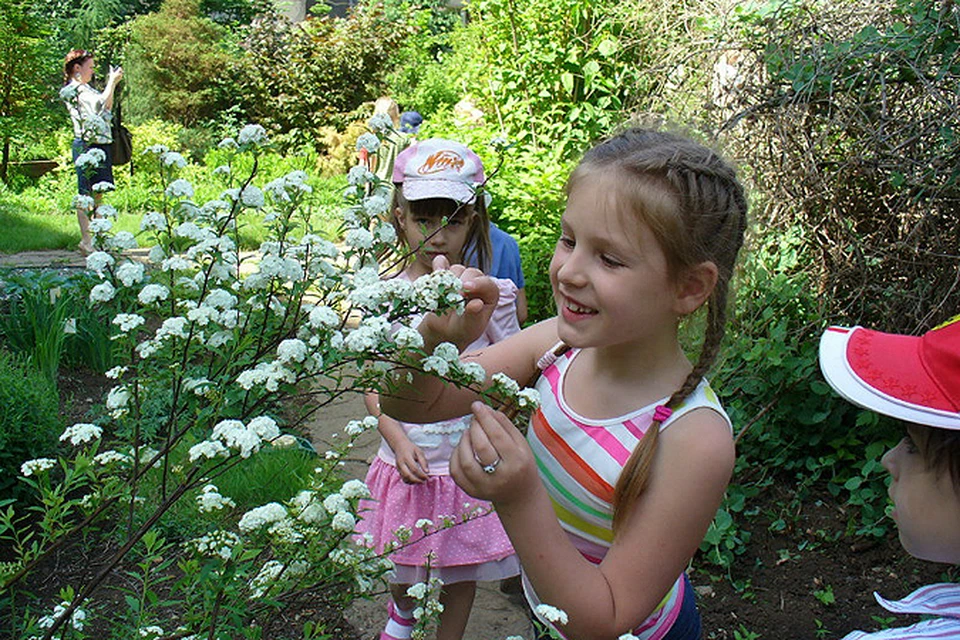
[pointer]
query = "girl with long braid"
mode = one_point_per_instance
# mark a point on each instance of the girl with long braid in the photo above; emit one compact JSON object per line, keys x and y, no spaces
{"x":626,"y":460}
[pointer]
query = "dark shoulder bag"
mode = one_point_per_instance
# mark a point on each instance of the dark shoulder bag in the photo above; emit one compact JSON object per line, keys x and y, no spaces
{"x":122,"y":147}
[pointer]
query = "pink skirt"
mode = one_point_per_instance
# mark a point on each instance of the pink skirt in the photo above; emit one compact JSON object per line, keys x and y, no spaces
{"x":477,"y":549}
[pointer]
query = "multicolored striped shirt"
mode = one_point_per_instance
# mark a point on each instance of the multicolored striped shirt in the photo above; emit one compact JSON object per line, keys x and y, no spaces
{"x":579,"y":461}
{"x":941,"y":601}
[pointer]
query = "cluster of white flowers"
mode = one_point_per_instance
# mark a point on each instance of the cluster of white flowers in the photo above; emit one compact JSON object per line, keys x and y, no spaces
{"x":216,"y":544}
{"x":369,"y":142}
{"x":233,"y":434}
{"x":103,"y":187}
{"x":356,"y":427}
{"x":153,"y":220}
{"x":259,"y":517}
{"x":103,"y":292}
{"x":84,"y":202}
{"x":90,"y":159}
{"x":81,"y":433}
{"x":371,"y":333}
{"x":268,"y":374}
{"x":179,"y":188}
{"x":210,"y":499}
{"x":152,"y":631}
{"x":293,"y":183}
{"x":109,"y":457}
{"x":380,"y":123}
{"x":427,"y":595}
{"x":77,"y":618}
{"x":445,"y":356}
{"x":152,"y":293}
{"x":173,"y":159}
{"x":359,"y":175}
{"x":36,"y":466}
{"x":552,"y":614}
{"x":252,"y":134}
{"x":128,"y":321}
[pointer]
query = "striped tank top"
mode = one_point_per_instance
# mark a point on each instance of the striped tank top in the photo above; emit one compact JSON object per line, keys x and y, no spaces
{"x":579,"y":461}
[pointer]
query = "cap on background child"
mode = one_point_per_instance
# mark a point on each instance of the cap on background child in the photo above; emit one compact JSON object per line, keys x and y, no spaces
{"x":916,"y":380}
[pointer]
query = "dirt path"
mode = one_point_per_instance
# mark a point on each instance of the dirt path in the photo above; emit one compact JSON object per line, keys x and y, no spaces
{"x":495,"y":615}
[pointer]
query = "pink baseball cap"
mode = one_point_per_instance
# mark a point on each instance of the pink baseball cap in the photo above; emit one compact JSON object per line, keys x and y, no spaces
{"x":913,"y":378}
{"x":437,"y":168}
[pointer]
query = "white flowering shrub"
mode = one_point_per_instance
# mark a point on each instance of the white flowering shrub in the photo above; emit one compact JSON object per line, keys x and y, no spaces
{"x":213,"y":343}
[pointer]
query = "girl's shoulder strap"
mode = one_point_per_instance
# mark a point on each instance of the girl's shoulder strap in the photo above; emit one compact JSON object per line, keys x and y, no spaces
{"x":550,"y":357}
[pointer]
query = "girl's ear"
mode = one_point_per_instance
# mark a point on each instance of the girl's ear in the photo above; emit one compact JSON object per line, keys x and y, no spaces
{"x":401,"y":219}
{"x":694,"y":287}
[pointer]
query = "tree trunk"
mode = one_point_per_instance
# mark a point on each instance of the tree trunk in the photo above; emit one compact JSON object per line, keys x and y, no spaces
{"x":5,"y":160}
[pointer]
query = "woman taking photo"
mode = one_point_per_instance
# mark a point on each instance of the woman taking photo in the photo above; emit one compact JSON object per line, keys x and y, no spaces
{"x":90,"y":112}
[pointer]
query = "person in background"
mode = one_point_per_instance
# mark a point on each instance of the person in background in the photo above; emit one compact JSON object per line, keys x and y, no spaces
{"x":437,"y":212}
{"x":90,"y":112}
{"x":505,"y":263}
{"x":382,"y":162}
{"x":917,"y":381}
{"x":410,"y":122}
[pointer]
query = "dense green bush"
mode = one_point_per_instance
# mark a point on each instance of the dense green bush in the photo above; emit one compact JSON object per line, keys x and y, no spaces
{"x":29,"y":418}
{"x":296,"y":79}
{"x":847,"y":116}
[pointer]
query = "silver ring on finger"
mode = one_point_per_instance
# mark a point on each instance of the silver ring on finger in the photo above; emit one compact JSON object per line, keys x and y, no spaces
{"x":490,"y":468}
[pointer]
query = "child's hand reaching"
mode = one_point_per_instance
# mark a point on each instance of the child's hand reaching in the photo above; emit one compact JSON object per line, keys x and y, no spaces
{"x":493,"y":460}
{"x":411,"y":463}
{"x":481,"y":294}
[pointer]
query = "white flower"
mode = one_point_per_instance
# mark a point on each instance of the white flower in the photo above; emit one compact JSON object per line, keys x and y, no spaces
{"x":499,"y":143}
{"x":529,"y":398}
{"x":76,"y":618}
{"x":424,"y":524}
{"x":474,"y":371}
{"x":217,"y":544}
{"x":90,"y":159}
{"x":103,"y":187}
{"x":157,"y":149}
{"x":153,"y":292}
{"x":323,"y":316}
{"x":252,"y":196}
{"x":211,"y":500}
{"x":252,"y":134}
{"x":552,"y":613}
{"x":407,"y":338}
{"x":359,"y":238}
{"x":86,"y":203}
{"x":418,"y":591}
{"x":98,"y":261}
{"x":386,"y":233}
{"x":375,"y":205}
{"x":179,"y":188}
{"x":352,"y":489}
{"x":265,"y":427}
{"x":227,"y":143}
{"x":335,"y":503}
{"x":207,"y":449}
{"x":176,"y":327}
{"x":109,"y":457}
{"x":80,"y":433}
{"x":173,"y":159}
{"x":628,"y":636}
{"x":69,"y":92}
{"x":175,"y":263}
{"x":100,"y":226}
{"x":368,"y":141}
{"x":505,"y":384}
{"x":343,"y":521}
{"x":130,"y":273}
{"x":380,"y":122}
{"x":103,"y":292}
{"x":359,"y":175}
{"x":128,"y":321}
{"x":292,"y":350}
{"x":37,"y":465}
{"x":116,"y":372}
{"x":118,"y":398}
{"x":152,"y":631}
{"x":260,"y":516}
{"x":153,"y":220}
{"x":122,"y":240}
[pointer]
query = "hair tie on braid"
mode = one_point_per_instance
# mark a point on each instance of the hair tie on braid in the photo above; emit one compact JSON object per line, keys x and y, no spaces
{"x":662,"y":413}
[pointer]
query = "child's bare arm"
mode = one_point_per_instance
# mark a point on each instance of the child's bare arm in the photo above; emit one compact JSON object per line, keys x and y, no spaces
{"x":663,"y":531}
{"x":426,"y":398}
{"x":411,"y":461}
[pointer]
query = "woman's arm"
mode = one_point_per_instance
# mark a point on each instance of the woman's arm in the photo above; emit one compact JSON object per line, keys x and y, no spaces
{"x":662,"y":532}
{"x":112,"y":81}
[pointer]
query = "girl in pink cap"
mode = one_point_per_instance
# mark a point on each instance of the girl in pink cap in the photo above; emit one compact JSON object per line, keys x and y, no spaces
{"x":916,"y":380}
{"x":438,"y":211}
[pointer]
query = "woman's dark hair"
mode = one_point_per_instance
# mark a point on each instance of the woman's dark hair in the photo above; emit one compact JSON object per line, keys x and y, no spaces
{"x":72,"y":60}
{"x":692,"y":201}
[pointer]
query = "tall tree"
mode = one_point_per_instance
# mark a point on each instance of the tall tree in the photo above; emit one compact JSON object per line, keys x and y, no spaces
{"x":28,"y":76}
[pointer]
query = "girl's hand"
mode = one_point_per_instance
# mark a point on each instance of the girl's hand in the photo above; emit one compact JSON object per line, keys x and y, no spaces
{"x":493,"y":460}
{"x":481,"y":294}
{"x":411,"y":463}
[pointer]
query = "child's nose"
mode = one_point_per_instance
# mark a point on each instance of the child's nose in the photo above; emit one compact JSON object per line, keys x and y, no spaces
{"x":889,"y":460}
{"x":571,"y":271}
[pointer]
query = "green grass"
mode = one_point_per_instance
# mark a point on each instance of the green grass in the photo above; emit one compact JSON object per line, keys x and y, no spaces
{"x":36,"y":221}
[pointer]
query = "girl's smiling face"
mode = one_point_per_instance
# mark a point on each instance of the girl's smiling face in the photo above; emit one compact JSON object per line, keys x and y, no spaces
{"x":610,"y":277}
{"x":431,"y":236}
{"x":926,"y":504}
